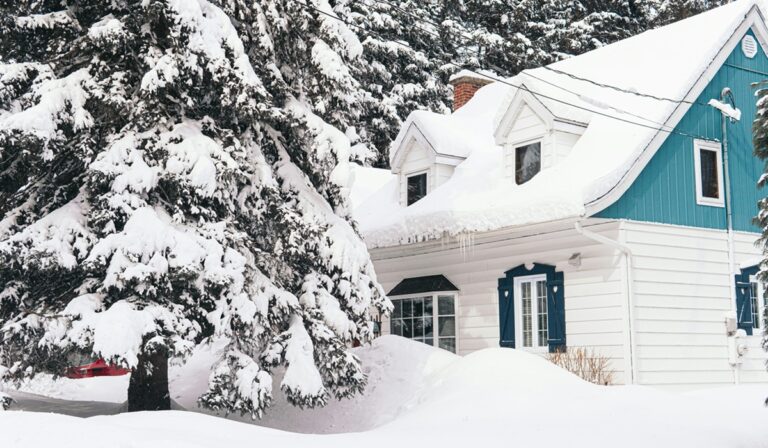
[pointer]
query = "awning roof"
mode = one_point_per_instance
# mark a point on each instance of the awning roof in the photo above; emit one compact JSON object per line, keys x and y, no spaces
{"x":417,"y":285}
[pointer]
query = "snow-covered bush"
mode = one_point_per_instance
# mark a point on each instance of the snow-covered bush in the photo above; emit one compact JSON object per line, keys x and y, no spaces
{"x":172,"y":171}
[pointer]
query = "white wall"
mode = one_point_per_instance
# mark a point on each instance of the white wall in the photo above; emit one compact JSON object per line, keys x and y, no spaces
{"x":527,"y":127}
{"x":593,"y":292}
{"x":419,"y":159}
{"x":682,"y":294}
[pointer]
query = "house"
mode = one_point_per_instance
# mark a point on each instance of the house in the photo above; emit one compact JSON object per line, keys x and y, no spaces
{"x":604,"y":201}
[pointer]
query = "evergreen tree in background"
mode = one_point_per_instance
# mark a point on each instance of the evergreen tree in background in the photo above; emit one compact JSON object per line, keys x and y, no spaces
{"x":669,"y":11}
{"x":760,"y":143}
{"x":402,"y":69}
{"x":175,"y":171}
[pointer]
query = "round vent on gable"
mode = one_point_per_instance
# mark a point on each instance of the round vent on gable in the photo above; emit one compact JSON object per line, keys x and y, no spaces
{"x":749,"y":46}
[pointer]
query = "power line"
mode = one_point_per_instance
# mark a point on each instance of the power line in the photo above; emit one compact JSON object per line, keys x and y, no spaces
{"x":466,"y":40}
{"x":578,"y":95}
{"x":619,"y":89}
{"x":663,"y":128}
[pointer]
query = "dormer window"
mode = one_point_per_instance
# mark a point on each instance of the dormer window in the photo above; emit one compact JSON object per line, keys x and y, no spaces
{"x":527,"y":162}
{"x":417,"y":187}
{"x":709,"y":173}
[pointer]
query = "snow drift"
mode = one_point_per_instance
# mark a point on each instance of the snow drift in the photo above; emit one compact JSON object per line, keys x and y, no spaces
{"x":418,"y":395}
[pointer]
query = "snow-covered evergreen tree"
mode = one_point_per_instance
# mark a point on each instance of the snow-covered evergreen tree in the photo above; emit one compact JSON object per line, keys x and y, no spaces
{"x":760,"y":143}
{"x":403,"y":55}
{"x":668,"y":11}
{"x":173,"y":171}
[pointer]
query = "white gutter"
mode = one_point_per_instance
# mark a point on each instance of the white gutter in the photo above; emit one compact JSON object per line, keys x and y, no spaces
{"x":628,"y":278}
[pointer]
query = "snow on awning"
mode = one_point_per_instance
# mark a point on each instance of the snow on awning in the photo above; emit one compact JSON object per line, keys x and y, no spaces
{"x":418,"y":285}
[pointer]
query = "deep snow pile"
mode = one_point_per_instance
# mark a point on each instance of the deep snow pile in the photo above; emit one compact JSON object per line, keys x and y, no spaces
{"x":420,"y":395}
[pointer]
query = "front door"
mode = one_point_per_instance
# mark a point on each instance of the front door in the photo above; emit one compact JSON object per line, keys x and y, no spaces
{"x":531,"y":312}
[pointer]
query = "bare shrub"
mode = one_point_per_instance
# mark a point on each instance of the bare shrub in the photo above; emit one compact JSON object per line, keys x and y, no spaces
{"x":587,"y":364}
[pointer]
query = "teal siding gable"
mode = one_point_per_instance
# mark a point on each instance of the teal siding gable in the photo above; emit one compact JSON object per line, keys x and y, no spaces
{"x":665,"y":190}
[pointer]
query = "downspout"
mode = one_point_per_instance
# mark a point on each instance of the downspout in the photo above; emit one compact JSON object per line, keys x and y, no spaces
{"x":726,"y":92}
{"x":627,"y":252}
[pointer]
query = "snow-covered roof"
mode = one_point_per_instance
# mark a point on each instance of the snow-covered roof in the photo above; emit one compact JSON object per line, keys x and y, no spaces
{"x":457,"y":134}
{"x":621,"y":132}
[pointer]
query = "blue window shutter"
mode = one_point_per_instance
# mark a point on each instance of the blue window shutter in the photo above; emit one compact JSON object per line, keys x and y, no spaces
{"x":744,"y":299}
{"x":556,"y":311}
{"x":506,"y":313}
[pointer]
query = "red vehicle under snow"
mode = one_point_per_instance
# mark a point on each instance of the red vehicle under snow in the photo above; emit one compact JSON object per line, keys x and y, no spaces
{"x":96,"y":368}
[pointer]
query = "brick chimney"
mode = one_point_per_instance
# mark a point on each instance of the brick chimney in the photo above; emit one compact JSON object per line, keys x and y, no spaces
{"x":465,"y":83}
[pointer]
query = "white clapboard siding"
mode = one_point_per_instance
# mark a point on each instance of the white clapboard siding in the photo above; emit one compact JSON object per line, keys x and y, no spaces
{"x":417,"y":160}
{"x":593,"y":291}
{"x":682,"y":294}
{"x":528,"y":127}
{"x":563,"y":142}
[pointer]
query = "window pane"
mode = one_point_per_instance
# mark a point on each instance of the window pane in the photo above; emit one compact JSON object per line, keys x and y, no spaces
{"x":429,"y":341}
{"x":418,"y":307}
{"x":407,"y":308}
{"x":756,"y":321}
{"x":709,"y":184}
{"x":525,"y":299}
{"x":527,"y":162}
{"x":445,"y":305}
{"x":447,"y":326}
{"x":396,"y":327}
{"x":408,"y":328}
{"x":418,"y":328}
{"x":541,"y":303}
{"x":428,"y":327}
{"x":448,"y":344}
{"x":417,"y":187}
{"x":427,"y":306}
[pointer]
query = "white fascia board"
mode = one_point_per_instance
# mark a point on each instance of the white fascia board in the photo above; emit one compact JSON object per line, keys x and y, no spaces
{"x":752,"y":20}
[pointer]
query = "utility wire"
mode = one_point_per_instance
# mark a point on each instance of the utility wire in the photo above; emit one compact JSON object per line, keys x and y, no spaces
{"x":619,"y":89}
{"x":663,"y":128}
{"x":466,"y":40}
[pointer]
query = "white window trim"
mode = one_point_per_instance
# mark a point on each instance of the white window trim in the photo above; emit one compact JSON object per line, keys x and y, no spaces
{"x":513,"y":155}
{"x":760,"y":304}
{"x":534,"y":315}
{"x":413,"y":174}
{"x":709,"y":145}
{"x":435,"y":320}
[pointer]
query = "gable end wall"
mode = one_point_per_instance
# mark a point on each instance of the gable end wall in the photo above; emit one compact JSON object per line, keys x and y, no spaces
{"x":665,"y":192}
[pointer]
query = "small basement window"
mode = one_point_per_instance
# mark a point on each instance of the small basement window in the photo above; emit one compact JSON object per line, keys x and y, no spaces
{"x":527,"y":162}
{"x":709,"y":173}
{"x":417,"y":187}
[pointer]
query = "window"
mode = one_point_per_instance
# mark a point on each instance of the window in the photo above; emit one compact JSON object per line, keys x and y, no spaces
{"x":527,"y":162}
{"x":531,"y":309}
{"x":415,"y":318}
{"x":417,"y":187}
{"x":757,"y":300}
{"x":709,"y":173}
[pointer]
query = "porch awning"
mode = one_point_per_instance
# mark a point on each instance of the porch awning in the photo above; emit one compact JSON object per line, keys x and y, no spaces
{"x":418,"y":285}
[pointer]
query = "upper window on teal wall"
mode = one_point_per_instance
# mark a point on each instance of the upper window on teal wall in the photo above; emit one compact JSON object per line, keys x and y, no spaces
{"x":709,"y":173}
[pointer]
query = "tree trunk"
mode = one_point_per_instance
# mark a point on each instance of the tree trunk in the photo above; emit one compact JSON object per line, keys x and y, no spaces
{"x":148,"y":387}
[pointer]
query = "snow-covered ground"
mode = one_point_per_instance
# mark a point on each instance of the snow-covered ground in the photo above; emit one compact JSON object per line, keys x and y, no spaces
{"x":417,"y":396}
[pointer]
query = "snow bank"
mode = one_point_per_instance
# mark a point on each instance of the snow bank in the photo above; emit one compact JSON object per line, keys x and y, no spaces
{"x":418,"y":395}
